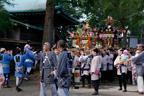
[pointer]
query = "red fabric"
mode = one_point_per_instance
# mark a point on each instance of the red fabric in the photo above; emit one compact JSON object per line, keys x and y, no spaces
{"x":124,"y":31}
{"x":89,"y":42}
{"x":95,"y":44}
{"x":77,"y":42}
{"x":38,"y":87}
{"x":97,"y":72}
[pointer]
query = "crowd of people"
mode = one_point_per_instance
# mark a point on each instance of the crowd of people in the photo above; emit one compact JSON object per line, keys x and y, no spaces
{"x":58,"y":64}
{"x":112,"y":62}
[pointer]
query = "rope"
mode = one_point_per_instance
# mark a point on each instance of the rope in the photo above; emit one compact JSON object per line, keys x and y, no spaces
{"x":38,"y":87}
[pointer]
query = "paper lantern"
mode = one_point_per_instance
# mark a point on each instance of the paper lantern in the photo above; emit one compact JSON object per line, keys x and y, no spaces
{"x":91,"y":34}
{"x":123,"y":31}
{"x":72,"y":35}
{"x":100,"y":36}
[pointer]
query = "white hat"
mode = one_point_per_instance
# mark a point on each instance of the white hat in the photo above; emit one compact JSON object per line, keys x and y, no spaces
{"x":2,"y":49}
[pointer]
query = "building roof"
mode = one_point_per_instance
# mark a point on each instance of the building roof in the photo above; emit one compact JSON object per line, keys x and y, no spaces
{"x":18,"y":41}
{"x":36,"y":17}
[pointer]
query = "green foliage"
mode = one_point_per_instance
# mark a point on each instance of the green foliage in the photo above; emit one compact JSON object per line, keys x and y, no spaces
{"x":129,"y":14}
{"x":5,"y":22}
{"x":71,"y":8}
{"x":50,"y":3}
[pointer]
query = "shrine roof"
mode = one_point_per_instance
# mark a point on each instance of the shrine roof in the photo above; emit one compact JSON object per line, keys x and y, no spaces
{"x":61,"y":17}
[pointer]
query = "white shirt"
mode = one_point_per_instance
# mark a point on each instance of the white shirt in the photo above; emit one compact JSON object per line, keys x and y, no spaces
{"x":110,"y":61}
{"x":95,"y":65}
{"x":124,"y":69}
{"x":104,"y":61}
{"x":83,"y":60}
{"x":76,"y":62}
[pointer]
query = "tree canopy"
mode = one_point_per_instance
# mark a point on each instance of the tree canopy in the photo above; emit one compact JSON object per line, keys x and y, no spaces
{"x":5,"y":22}
{"x":129,"y":14}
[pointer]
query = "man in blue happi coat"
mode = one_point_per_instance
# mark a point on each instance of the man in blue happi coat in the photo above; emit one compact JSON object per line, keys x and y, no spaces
{"x":19,"y":68}
{"x":29,"y":61}
{"x":5,"y":60}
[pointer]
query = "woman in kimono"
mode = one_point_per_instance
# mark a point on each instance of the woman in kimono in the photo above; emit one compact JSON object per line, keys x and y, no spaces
{"x":19,"y":68}
{"x":134,"y":75}
{"x":95,"y":70}
{"x":133,"y":68}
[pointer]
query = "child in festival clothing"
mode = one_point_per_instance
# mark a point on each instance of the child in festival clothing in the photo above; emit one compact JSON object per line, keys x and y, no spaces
{"x":124,"y":57}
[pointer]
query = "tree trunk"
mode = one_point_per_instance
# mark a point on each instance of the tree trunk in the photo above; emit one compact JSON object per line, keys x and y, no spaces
{"x":49,"y":23}
{"x":124,"y":42}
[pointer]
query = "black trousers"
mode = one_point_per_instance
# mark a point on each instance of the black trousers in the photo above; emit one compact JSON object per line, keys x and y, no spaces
{"x":122,"y":79}
{"x":96,"y":84}
{"x":72,"y":78}
{"x":104,"y":76}
{"x":110,"y":77}
{"x":88,"y":79}
{"x":56,"y":83}
{"x":129,"y":76}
